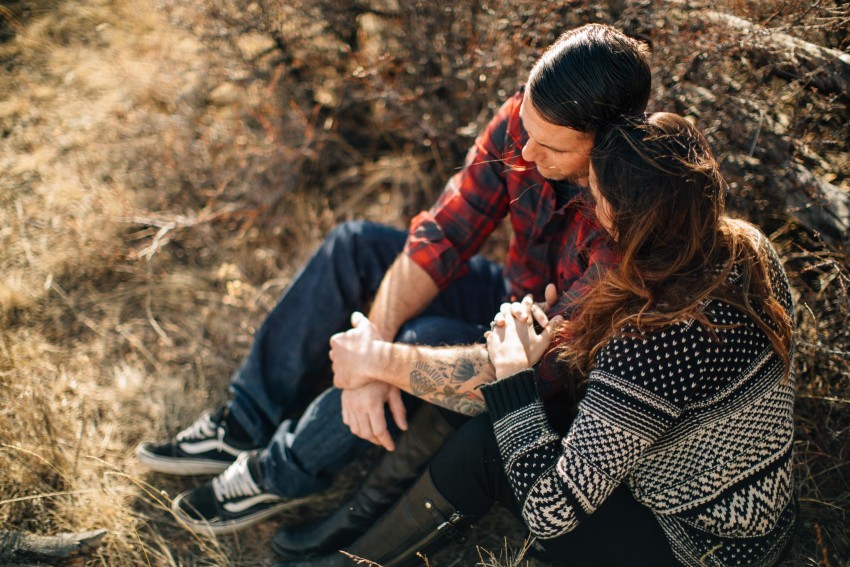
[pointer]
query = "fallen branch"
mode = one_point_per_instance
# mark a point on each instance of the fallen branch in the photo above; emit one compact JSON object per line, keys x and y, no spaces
{"x":816,"y":204}
{"x":18,"y":546}
{"x":169,"y":224}
{"x":811,"y":201}
{"x":824,"y":68}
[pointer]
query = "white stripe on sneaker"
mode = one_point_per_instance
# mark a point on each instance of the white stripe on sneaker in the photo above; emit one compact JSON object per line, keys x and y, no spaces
{"x":208,"y":445}
{"x":242,"y":505}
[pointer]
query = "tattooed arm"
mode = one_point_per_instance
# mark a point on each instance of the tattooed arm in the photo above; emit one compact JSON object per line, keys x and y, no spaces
{"x":446,"y":376}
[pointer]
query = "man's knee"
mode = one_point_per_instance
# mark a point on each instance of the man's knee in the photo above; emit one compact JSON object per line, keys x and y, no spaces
{"x":346,"y":230}
{"x":416,"y":331}
{"x":344,"y":236}
{"x":357,"y":232}
{"x":367,"y":248}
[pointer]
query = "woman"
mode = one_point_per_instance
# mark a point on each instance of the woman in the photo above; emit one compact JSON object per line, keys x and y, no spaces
{"x":686,"y":348}
{"x":680,"y":449}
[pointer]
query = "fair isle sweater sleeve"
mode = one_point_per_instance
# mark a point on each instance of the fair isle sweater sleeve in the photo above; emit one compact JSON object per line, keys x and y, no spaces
{"x":560,"y":481}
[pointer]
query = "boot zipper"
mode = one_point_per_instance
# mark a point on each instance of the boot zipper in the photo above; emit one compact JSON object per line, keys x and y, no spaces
{"x":433,"y":536}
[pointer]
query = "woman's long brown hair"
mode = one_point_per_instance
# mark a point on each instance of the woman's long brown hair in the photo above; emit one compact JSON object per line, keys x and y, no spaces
{"x":678,"y":246}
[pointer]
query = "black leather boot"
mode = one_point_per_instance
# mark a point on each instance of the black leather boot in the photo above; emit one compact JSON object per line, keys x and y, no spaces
{"x":422,"y":521}
{"x":387,"y":480}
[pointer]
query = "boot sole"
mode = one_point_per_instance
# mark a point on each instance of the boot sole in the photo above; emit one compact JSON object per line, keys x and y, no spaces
{"x":332,"y":541}
{"x":228,"y":526}
{"x":180,"y":467}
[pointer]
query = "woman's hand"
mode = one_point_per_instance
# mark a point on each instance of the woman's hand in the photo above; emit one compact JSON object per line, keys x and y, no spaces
{"x":550,"y":294}
{"x":513,"y":344}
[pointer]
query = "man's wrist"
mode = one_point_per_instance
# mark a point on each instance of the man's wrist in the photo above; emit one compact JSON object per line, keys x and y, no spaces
{"x":387,"y":331}
{"x":382,"y":360}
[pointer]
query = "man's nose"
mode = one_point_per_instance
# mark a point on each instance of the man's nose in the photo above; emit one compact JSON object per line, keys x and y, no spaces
{"x":529,"y":151}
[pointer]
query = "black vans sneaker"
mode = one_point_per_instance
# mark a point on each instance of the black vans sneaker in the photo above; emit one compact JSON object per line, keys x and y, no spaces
{"x":208,"y":446}
{"x":229,"y":502}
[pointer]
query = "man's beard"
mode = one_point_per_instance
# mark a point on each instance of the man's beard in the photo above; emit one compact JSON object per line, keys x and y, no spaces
{"x":574,"y":179}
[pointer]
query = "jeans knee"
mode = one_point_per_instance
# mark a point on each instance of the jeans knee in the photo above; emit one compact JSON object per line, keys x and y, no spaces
{"x":438,"y":331}
{"x":419,"y":331}
{"x":358,"y":238}
{"x":345,"y":232}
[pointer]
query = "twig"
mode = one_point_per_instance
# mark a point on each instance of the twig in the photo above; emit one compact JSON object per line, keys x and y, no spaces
{"x":33,"y":454}
{"x":149,"y":312}
{"x":824,"y":562}
{"x":49,"y":495}
{"x":822,"y":348}
{"x":360,"y":560}
{"x":79,"y":316}
{"x":167,"y":225}
{"x":824,"y":398}
{"x":9,"y":363}
{"x":58,"y":457}
{"x":757,"y":134}
{"x":141,"y":348}
{"x":25,"y":243}
{"x":153,"y":322}
{"x":79,"y":447}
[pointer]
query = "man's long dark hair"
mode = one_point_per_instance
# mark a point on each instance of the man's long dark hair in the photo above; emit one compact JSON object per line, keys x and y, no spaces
{"x":589,"y":78}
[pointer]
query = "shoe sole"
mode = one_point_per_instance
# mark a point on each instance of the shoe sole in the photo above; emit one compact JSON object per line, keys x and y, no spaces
{"x":180,"y":467}
{"x":313,"y":546}
{"x":229,"y":526}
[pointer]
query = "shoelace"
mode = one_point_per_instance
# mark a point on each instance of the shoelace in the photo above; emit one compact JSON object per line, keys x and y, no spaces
{"x":203,"y":428}
{"x":235,"y":481}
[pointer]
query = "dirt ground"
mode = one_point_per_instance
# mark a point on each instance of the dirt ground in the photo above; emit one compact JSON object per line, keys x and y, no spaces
{"x":167,"y":165}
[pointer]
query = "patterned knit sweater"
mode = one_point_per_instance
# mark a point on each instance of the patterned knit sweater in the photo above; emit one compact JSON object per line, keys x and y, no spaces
{"x":698,"y":426}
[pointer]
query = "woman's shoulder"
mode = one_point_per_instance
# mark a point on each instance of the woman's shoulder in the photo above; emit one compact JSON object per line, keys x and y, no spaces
{"x":764,"y":252}
{"x":663,"y":360}
{"x":683,"y":361}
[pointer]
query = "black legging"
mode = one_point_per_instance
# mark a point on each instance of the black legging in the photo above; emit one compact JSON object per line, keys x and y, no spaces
{"x":468,"y":471}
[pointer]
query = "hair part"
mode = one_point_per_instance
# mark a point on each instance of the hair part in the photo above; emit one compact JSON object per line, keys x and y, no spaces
{"x":590,"y":77}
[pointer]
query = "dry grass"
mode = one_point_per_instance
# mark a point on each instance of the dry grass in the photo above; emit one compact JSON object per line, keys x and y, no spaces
{"x":166,"y":165}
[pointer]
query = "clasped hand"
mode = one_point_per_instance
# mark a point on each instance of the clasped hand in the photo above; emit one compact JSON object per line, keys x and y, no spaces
{"x":354,"y":353}
{"x":513,"y":343}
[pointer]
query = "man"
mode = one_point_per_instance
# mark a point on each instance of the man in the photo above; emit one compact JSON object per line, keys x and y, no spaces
{"x":429,"y":288}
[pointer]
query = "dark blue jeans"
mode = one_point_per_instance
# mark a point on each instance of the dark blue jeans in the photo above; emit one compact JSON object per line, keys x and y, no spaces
{"x":288,"y":361}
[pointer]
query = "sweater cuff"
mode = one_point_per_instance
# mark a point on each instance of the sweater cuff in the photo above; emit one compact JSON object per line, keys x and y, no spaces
{"x":511,"y":393}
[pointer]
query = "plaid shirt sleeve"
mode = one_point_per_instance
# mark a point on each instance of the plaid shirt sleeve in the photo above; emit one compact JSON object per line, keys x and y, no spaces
{"x":594,"y":244}
{"x":442,"y":239}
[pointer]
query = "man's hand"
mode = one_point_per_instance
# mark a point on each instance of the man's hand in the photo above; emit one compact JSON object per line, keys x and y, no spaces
{"x":363,"y":412}
{"x":513,"y":344}
{"x":356,"y":356}
{"x":355,"y":353}
{"x":551,"y":298}
{"x":550,"y":295}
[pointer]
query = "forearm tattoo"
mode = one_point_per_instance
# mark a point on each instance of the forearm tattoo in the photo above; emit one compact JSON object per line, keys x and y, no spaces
{"x":442,"y":383}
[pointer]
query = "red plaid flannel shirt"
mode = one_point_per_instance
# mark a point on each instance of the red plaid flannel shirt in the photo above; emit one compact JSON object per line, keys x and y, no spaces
{"x":556,"y":238}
